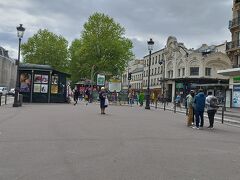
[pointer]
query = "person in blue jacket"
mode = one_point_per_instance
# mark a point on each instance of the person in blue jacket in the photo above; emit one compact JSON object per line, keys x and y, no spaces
{"x":199,"y":108}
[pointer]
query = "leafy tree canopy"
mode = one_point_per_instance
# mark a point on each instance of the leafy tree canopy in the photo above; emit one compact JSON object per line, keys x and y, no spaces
{"x":102,"y":44}
{"x":45,"y":47}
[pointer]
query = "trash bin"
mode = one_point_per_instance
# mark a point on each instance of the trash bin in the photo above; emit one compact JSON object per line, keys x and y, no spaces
{"x":20,"y":99}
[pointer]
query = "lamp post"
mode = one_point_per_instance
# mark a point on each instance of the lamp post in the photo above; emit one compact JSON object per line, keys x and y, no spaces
{"x":162,"y":62}
{"x":150,"y":48}
{"x":92,"y":79}
{"x":20,"y":32}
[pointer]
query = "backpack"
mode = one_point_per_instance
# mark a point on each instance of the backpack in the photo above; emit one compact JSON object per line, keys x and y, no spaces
{"x":214,"y":102}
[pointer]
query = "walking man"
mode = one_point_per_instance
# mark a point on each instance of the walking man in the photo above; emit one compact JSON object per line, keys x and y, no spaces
{"x":200,"y":105}
{"x":212,"y":106}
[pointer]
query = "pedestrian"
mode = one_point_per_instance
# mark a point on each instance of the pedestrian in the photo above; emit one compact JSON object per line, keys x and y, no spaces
{"x":200,"y":105}
{"x":75,"y":96}
{"x":189,"y":100}
{"x":212,"y":106}
{"x":103,"y":100}
{"x":178,"y":101}
{"x":130,"y":98}
{"x":141,"y":98}
{"x":87,"y":96}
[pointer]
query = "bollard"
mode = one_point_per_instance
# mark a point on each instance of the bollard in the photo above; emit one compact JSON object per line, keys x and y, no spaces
{"x":223,"y":108}
{"x":164,"y":105}
{"x":175,"y":107}
{"x":5,"y":99}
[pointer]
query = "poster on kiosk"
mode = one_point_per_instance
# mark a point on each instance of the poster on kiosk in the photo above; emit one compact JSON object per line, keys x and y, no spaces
{"x":236,"y":96}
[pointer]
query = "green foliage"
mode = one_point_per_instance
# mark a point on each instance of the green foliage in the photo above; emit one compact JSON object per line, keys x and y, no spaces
{"x":102,"y":44}
{"x":46,"y":48}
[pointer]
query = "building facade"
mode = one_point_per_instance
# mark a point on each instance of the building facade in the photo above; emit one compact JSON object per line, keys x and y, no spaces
{"x":7,"y":70}
{"x":176,"y":70}
{"x":233,"y":51}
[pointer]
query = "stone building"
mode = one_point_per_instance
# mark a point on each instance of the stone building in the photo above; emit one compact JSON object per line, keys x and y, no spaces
{"x":233,"y":51}
{"x":183,"y":69}
{"x":135,"y":67}
{"x":7,"y":70}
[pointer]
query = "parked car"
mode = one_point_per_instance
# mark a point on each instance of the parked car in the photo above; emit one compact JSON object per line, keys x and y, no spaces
{"x":11,"y":92}
{"x":3,"y":91}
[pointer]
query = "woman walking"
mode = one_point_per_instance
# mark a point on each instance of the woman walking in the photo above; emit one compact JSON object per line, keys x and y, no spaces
{"x":103,"y":100}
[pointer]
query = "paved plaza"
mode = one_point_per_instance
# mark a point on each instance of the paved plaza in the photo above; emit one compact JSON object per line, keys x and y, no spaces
{"x":66,"y":142}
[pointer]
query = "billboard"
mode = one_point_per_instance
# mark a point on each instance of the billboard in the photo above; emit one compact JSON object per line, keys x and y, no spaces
{"x":100,"y":80}
{"x":115,"y":86}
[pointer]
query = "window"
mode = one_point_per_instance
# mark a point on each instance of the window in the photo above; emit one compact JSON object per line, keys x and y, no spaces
{"x":155,"y":70}
{"x":158,"y":70}
{"x":156,"y":60}
{"x":152,"y":71}
{"x":179,"y":72}
{"x":207,"y":71}
{"x":153,"y":61}
{"x":194,"y":71}
{"x":183,"y":71}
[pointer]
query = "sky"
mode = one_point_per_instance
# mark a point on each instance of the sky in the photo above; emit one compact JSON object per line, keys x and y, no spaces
{"x":192,"y":22}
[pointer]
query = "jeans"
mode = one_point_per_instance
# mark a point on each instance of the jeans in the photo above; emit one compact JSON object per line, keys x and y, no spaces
{"x":211,"y":114}
{"x":197,"y":115}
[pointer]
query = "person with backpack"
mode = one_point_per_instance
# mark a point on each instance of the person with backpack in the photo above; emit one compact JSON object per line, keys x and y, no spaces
{"x":212,"y":106}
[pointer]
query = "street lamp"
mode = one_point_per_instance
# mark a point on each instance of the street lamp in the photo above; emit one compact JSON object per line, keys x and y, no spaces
{"x":20,"y":32}
{"x":162,"y":62}
{"x":150,"y":48}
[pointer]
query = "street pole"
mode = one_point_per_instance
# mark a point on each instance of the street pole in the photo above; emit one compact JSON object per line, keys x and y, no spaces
{"x":150,"y":48}
{"x":164,"y":95}
{"x":148,"y":85}
{"x":92,"y":77}
{"x":20,"y":32}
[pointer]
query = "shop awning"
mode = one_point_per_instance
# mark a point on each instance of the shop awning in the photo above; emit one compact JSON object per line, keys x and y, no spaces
{"x":229,"y":72}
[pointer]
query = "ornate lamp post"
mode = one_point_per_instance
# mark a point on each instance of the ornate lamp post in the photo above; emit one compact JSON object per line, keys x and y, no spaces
{"x":20,"y":32}
{"x":162,"y":62}
{"x":150,"y":48}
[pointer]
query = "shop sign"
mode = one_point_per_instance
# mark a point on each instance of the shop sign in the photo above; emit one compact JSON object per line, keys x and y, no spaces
{"x":179,"y":85}
{"x":236,"y":79}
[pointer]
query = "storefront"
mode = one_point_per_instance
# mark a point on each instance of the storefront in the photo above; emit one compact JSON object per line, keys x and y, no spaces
{"x":42,"y":84}
{"x":234,"y":85}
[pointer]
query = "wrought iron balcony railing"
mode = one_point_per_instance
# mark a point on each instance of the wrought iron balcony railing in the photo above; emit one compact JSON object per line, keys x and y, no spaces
{"x":233,"y":45}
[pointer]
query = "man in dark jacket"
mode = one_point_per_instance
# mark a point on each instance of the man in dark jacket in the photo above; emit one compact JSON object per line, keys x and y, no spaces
{"x":199,"y":109}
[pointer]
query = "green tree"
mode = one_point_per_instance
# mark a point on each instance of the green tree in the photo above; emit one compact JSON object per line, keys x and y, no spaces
{"x":102,"y":43}
{"x":45,"y":47}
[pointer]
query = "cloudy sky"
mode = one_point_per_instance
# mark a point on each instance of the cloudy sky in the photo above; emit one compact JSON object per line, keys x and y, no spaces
{"x":193,"y":22}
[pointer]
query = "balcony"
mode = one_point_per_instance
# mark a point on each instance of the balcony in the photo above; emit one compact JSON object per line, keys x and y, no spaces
{"x":233,"y":45}
{"x":234,"y":23}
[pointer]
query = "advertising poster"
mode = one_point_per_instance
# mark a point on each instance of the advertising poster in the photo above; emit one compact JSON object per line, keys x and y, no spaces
{"x":54,"y":89}
{"x":44,"y":88}
{"x":236,"y":96}
{"x":100,"y":80}
{"x":54,"y":79}
{"x":25,"y":82}
{"x":44,"y":79}
{"x":114,"y":86}
{"x":37,"y":78}
{"x":37,"y":88}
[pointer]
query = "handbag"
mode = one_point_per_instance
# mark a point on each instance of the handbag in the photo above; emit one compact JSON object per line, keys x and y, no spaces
{"x":106,"y":103}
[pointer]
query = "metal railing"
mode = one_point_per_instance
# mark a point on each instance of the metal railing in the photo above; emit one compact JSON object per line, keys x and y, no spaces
{"x":233,"y":44}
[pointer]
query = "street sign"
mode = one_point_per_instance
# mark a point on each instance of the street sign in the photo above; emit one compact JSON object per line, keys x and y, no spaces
{"x":100,"y":80}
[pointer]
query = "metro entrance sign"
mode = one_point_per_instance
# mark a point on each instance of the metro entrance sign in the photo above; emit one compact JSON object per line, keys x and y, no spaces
{"x":100,"y":80}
